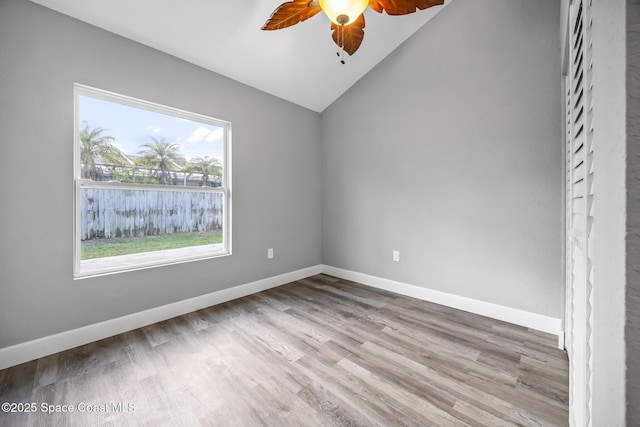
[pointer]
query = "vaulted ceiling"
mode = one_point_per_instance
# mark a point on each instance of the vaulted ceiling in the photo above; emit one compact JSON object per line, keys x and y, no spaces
{"x":298,"y":63}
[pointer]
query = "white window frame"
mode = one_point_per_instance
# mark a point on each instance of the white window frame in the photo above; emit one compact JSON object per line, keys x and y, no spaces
{"x":123,"y":263}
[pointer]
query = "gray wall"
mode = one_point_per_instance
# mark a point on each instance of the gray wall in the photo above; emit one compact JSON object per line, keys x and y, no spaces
{"x":42,"y":54}
{"x":450,"y":151}
{"x":632,"y":332}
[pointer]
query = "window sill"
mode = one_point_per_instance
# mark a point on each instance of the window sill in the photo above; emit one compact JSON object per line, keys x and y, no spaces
{"x":122,"y":263}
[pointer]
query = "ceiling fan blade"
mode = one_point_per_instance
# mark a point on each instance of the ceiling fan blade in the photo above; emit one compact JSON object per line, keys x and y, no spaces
{"x":290,"y":13}
{"x":350,"y":35}
{"x":402,"y":7}
{"x":426,"y":4}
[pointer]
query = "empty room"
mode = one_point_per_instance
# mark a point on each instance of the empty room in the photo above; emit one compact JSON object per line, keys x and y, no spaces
{"x":264,"y":213}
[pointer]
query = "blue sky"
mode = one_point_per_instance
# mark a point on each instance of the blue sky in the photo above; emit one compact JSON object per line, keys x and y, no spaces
{"x":131,"y":127}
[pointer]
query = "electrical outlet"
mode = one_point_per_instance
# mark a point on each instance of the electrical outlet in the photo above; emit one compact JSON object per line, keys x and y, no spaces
{"x":396,"y":256}
{"x":270,"y":253}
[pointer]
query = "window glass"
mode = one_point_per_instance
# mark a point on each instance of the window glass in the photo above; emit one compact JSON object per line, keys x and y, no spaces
{"x":151,"y":184}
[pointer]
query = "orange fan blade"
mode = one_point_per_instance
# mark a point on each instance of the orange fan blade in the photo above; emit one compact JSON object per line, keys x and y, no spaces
{"x":350,"y":35}
{"x":290,"y":13}
{"x":426,"y":4}
{"x":402,"y":7}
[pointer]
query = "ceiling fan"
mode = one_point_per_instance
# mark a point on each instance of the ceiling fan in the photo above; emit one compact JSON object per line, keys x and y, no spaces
{"x":347,"y":18}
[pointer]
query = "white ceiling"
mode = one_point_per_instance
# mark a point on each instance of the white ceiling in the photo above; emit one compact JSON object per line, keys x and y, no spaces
{"x":298,"y":63}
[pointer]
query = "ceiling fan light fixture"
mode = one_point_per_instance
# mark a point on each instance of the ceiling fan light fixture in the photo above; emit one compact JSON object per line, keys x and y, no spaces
{"x":347,"y":17}
{"x":343,"y":12}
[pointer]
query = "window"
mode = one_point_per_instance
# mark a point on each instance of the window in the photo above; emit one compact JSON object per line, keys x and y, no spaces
{"x":152,"y":184}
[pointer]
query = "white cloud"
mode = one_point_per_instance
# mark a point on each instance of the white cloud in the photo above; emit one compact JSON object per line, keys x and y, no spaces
{"x":215,"y":135}
{"x":199,"y":135}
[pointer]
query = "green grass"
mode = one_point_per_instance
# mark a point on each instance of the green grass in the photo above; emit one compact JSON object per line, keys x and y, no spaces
{"x":100,"y":248}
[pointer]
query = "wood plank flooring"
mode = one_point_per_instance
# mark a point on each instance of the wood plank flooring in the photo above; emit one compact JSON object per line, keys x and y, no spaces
{"x":316,"y":352}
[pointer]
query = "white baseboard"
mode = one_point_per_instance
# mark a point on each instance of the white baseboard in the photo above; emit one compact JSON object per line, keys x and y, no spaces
{"x":562,"y":345}
{"x":30,"y":350}
{"x":527,"y":319}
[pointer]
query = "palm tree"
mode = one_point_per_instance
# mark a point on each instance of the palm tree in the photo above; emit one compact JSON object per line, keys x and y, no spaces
{"x":162,"y":156}
{"x":96,"y":148}
{"x":207,"y":166}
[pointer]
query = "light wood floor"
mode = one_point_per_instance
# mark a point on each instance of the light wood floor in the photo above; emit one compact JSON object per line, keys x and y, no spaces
{"x":317,"y":352}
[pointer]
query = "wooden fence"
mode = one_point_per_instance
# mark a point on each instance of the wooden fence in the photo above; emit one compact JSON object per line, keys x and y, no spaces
{"x":109,"y":213}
